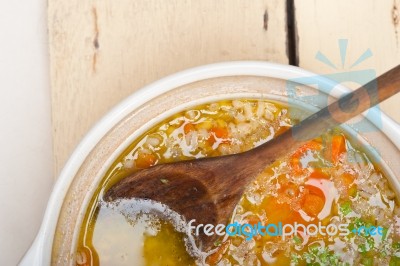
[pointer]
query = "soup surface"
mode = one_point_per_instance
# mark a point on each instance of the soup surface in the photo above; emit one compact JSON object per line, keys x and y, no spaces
{"x":324,"y":204}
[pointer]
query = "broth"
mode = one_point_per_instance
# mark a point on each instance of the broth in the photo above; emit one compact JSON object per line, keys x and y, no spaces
{"x":325,"y":183}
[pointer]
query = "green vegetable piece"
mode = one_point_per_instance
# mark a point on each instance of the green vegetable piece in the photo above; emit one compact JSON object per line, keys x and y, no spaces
{"x":318,"y":255}
{"x":384,"y":232}
{"x":367,"y":261}
{"x":297,"y":240}
{"x":394,"y":261}
{"x":363,"y":248}
{"x":314,"y":248}
{"x":295,"y":258}
{"x":345,"y":208}
{"x":358,"y":223}
{"x":371,"y":243}
{"x":217,"y":243}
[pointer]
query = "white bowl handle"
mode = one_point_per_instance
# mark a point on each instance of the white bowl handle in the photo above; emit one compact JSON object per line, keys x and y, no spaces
{"x":392,"y":130}
{"x":32,"y":256}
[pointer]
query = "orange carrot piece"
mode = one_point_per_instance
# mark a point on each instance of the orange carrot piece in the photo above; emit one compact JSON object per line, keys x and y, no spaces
{"x":145,"y":160}
{"x":347,"y":179}
{"x":313,"y":204}
{"x":338,"y":147}
{"x":188,"y":128}
{"x":220,"y":133}
{"x":296,"y":166}
{"x":318,"y":174}
{"x":217,"y":256}
{"x":347,"y":184}
{"x":313,"y":145}
{"x":279,"y":212}
{"x":313,"y":200}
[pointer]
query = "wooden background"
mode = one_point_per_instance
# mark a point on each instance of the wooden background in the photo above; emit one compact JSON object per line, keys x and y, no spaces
{"x":102,"y":51}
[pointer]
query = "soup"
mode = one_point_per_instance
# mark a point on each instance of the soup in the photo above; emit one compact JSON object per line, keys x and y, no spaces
{"x":324,"y":204}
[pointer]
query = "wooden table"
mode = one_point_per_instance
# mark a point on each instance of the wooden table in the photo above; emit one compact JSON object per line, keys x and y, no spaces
{"x":102,"y":51}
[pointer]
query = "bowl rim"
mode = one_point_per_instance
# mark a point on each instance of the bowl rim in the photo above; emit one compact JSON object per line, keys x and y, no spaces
{"x":41,"y":250}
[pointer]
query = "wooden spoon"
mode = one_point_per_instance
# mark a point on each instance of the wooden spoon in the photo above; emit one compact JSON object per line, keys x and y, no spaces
{"x":208,"y":189}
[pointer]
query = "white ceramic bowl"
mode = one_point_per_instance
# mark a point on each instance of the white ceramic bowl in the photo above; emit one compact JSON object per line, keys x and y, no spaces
{"x":56,"y":240}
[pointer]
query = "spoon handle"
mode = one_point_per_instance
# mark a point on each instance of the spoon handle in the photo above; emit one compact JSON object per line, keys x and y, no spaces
{"x":338,"y":112}
{"x":349,"y":106}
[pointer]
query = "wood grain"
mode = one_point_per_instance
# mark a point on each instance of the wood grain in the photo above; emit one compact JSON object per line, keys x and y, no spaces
{"x":366,"y":24}
{"x":102,"y":51}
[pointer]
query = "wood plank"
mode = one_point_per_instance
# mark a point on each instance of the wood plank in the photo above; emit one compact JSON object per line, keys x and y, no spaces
{"x":102,"y":51}
{"x":366,"y":24}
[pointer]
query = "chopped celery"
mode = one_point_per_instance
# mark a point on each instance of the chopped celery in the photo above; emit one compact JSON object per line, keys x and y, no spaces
{"x":394,"y":261}
{"x":345,"y":208}
{"x":297,"y":240}
{"x":367,"y":261}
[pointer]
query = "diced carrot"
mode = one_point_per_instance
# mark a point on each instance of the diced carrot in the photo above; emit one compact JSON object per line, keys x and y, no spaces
{"x":188,"y":128}
{"x":145,"y":160}
{"x":347,"y":179}
{"x":279,"y":212}
{"x":313,"y":145}
{"x":311,"y":189}
{"x":338,"y":147}
{"x":346,"y":183}
{"x":313,"y":201}
{"x":215,"y":257}
{"x":319,"y":174}
{"x":297,"y":169}
{"x":220,"y":133}
{"x":313,"y":204}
